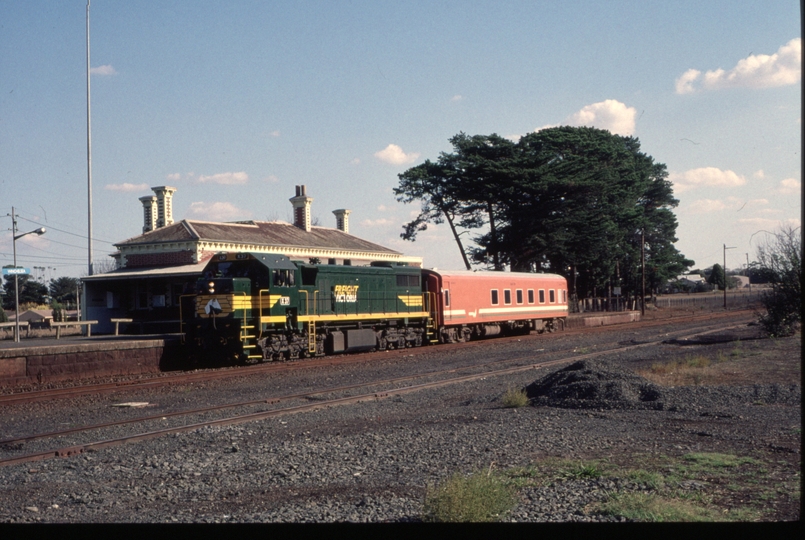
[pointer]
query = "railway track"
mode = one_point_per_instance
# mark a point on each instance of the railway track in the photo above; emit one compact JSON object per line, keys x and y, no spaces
{"x":167,"y":379}
{"x":318,"y":398}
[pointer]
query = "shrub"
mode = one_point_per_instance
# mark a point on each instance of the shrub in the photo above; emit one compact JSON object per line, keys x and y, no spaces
{"x":780,"y":264}
{"x":480,"y":497}
{"x":514,"y":398}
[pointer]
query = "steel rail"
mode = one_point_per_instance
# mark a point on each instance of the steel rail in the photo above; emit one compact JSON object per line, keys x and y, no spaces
{"x":278,"y":367}
{"x":78,"y":449}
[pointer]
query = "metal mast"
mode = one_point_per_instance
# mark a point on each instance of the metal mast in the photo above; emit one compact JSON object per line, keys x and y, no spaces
{"x":89,"y":161}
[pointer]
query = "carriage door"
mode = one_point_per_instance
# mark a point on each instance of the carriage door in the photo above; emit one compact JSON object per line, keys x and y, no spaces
{"x":447,"y":301}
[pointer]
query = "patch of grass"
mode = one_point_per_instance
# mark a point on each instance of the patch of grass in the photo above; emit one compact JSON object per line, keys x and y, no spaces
{"x":582,"y":470}
{"x":652,"y":480}
{"x":480,"y":497}
{"x":708,"y":460}
{"x":654,"y":508}
{"x":514,"y":398}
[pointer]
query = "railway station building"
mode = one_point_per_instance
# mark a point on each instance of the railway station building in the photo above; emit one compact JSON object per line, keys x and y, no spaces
{"x":155,"y":268}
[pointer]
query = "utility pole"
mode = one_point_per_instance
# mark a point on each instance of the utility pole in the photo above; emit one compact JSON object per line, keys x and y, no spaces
{"x":725,"y":273}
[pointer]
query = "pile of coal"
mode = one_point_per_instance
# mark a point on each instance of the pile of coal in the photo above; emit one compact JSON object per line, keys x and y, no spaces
{"x":595,"y":384}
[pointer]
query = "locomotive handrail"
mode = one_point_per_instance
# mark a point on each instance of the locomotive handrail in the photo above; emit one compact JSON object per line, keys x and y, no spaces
{"x":181,"y":318}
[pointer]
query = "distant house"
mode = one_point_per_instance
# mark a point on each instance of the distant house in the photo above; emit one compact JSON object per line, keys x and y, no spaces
{"x":159,"y":265}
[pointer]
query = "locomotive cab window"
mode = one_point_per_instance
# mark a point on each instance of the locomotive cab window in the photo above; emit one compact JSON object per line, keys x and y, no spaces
{"x":542,"y":296}
{"x":552,"y":296}
{"x":519,"y":296}
{"x":507,"y":296}
{"x":408,"y":280}
{"x":495,"y":300}
{"x":530,"y":296}
{"x":283,"y":278}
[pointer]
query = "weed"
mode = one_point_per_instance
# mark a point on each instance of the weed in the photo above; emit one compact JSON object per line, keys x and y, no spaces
{"x":583,"y":470}
{"x":514,"y":398}
{"x":480,"y":497}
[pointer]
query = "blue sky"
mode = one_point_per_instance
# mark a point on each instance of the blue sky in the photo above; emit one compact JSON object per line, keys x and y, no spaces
{"x":234,"y":103}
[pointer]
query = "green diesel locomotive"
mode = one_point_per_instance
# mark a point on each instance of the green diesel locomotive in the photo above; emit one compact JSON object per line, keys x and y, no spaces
{"x":252,"y":307}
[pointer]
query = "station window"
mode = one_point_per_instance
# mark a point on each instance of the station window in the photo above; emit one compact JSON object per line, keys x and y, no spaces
{"x":495,"y":297}
{"x":507,"y":296}
{"x":519,"y":296}
{"x":542,"y":296}
{"x":552,"y":296}
{"x":530,"y":296}
{"x":447,"y":298}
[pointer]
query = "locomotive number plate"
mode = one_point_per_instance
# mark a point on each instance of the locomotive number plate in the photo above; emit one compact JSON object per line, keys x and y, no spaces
{"x":285,"y":301}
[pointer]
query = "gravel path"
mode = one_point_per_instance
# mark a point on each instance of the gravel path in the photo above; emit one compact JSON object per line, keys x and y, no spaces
{"x":373,"y":461}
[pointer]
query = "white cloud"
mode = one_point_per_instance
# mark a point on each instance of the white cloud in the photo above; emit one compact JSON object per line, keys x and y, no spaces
{"x":769,"y":224}
{"x":228,"y":178}
{"x":684,"y":84}
{"x":760,"y":175}
{"x":782,"y":68}
{"x":457,"y":97}
{"x":705,"y":206}
{"x":705,"y":177}
{"x":126,"y":187}
{"x":175,"y":177}
{"x":216,"y":211}
{"x":382,"y":222}
{"x":609,"y":114}
{"x":103,"y":70}
{"x":790,"y":186}
{"x":275,"y":133}
{"x":355,"y":161}
{"x":394,"y":155}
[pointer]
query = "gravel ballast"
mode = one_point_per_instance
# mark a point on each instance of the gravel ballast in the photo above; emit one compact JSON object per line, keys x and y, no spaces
{"x":373,"y":461}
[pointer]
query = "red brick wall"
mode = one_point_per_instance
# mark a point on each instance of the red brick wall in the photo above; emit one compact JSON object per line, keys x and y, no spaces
{"x":168,"y":258}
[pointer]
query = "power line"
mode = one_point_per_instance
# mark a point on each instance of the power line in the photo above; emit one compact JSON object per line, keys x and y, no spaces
{"x":82,"y":236}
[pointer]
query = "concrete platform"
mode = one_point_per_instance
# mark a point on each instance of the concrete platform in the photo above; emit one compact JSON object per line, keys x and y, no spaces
{"x":45,"y":360}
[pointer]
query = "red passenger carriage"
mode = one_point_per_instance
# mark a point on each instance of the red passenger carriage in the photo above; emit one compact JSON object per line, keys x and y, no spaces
{"x":477,"y":304}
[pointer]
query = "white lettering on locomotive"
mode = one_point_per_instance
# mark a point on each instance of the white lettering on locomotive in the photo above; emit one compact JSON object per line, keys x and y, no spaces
{"x":345,"y":293}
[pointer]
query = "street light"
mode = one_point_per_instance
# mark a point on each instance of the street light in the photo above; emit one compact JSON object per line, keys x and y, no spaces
{"x":40,"y":231}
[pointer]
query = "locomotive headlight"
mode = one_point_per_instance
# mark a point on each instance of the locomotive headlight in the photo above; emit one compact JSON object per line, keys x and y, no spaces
{"x":211,"y":286}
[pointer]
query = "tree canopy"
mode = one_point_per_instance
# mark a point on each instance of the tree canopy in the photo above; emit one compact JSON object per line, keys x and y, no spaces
{"x":574,"y":201}
{"x":31,"y":291}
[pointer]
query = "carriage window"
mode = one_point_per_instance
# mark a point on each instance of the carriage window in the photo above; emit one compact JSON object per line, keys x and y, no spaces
{"x":542,"y":296}
{"x":530,"y":296}
{"x":552,"y":296}
{"x":564,"y":296}
{"x":507,"y":296}
{"x":494,"y":297}
{"x":519,"y":296}
{"x":447,"y":298}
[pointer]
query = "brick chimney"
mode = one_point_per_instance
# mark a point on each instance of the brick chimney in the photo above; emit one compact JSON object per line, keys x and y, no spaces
{"x":164,"y":207}
{"x":342,"y":219}
{"x":301,"y":208}
{"x":149,"y":213}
